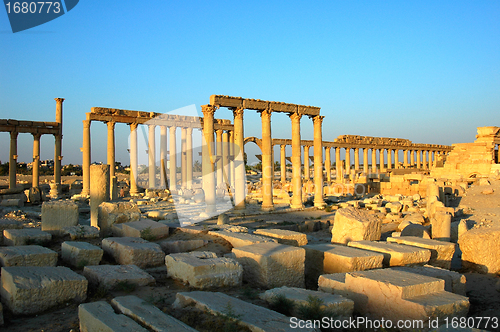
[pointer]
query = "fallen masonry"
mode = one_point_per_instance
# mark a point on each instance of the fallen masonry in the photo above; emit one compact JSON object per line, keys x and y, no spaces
{"x":32,"y":255}
{"x":145,"y":228}
{"x":238,"y":239}
{"x":59,"y":214}
{"x":454,"y":282}
{"x":133,"y":250}
{"x":109,"y":276}
{"x":395,"y":254}
{"x":21,"y":237}
{"x":284,"y":236}
{"x":79,"y":254}
{"x":100,"y":316}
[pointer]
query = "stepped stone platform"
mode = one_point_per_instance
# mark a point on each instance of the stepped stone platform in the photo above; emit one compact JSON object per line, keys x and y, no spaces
{"x":33,"y":289}
{"x":142,"y":226}
{"x":396,"y":295}
{"x":395,"y":254}
{"x":32,"y":255}
{"x":21,"y":237}
{"x":100,"y":316}
{"x":271,"y":264}
{"x":336,"y":258}
{"x":335,"y":305}
{"x":441,"y":252}
{"x":284,"y":236}
{"x":454,"y":282}
{"x":256,"y":318}
{"x":238,"y":239}
{"x":80,"y":254}
{"x":203,"y":269}
{"x":148,"y":315}
{"x":133,"y":250}
{"x":110,"y":275}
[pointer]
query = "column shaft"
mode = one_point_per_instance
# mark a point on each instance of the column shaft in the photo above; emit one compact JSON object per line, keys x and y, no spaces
{"x":208,"y":158}
{"x":13,"y":160}
{"x":419,"y":159}
{"x":267,"y":161}
{"x":133,"y":159}
{"x":405,"y":158}
{"x":348,"y":161}
{"x":225,"y":158}
{"x":111,"y":159}
{"x":374,"y":160}
{"x":163,"y":156}
{"x":307,"y":172}
{"x":239,"y":161}
{"x":381,"y":158}
{"x":219,"y":163}
{"x":183,"y":157}
{"x":86,"y":158}
{"x":36,"y":161}
{"x":232,"y":170}
{"x":151,"y":157}
{"x":390,"y":152}
{"x":318,"y":162}
{"x":58,"y":146}
{"x":356,"y":159}
{"x":328,"y":164}
{"x":338,"y":165}
{"x":173,"y":158}
{"x":283,"y":163}
{"x":296,"y":162}
{"x":365,"y":160}
{"x":189,"y":158}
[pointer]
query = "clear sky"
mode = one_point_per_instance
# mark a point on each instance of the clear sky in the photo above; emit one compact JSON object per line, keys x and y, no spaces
{"x":428,"y":71}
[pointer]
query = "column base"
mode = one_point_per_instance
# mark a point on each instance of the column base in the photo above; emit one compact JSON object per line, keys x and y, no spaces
{"x":296,"y":206}
{"x":267,"y":208}
{"x":320,"y":205}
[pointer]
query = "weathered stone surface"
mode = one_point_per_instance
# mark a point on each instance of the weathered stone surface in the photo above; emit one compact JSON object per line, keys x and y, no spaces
{"x":481,"y":249}
{"x":336,"y":258}
{"x":335,"y":305}
{"x":6,"y":223}
{"x":441,"y":252}
{"x":81,"y":232}
{"x":396,"y":295}
{"x":203,"y":269}
{"x":110,"y":275}
{"x":238,"y":239}
{"x":148,"y":315}
{"x":352,"y":224}
{"x":441,"y":226}
{"x":80,"y":254}
{"x":255,"y":317}
{"x":21,"y":237}
{"x":415,"y":230}
{"x":172,"y":247}
{"x":395,"y":254}
{"x":32,"y":289}
{"x":116,"y":213}
{"x":145,"y":228}
{"x":132,"y":250}
{"x":12,"y":202}
{"x":271,"y":264}
{"x":283,"y":236}
{"x":454,"y":282}
{"x":58,"y":214}
{"x":32,"y":255}
{"x":100,"y":316}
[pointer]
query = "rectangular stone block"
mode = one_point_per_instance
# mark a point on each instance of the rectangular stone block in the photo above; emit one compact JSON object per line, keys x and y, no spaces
{"x":132,"y":250}
{"x":80,"y":254}
{"x":271,"y":264}
{"x":148,"y":315}
{"x":146,"y":228}
{"x":454,"y":282}
{"x":395,"y":254}
{"x":58,"y":214}
{"x":81,"y":232}
{"x":100,"y":316}
{"x":172,"y":247}
{"x":238,"y":239}
{"x":7,"y":223}
{"x":32,"y":255}
{"x":283,"y":236}
{"x":441,"y":252}
{"x":110,"y":213}
{"x":32,"y":289}
{"x":203,"y":269}
{"x":108,"y":276}
{"x":26,"y":236}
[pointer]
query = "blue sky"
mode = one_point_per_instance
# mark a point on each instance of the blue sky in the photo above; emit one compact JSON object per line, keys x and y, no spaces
{"x":428,"y":71}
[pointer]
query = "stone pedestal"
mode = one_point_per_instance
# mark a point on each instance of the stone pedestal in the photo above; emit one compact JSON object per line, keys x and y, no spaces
{"x":99,"y":190}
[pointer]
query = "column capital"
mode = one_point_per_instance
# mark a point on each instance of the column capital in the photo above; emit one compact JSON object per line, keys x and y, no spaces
{"x":295,"y":116}
{"x":265,"y":114}
{"x":238,"y":113}
{"x":282,"y":146}
{"x":208,"y":110}
{"x":86,"y":124}
{"x":219,"y":131}
{"x":189,"y":130}
{"x":59,"y":100}
{"x":133,"y":125}
{"x":318,"y":119}
{"x":111,"y":124}
{"x":13,"y":134}
{"x":36,"y":136}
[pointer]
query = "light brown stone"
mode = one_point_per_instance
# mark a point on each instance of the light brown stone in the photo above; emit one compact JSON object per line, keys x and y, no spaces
{"x":59,"y":214}
{"x":352,"y":224}
{"x":395,"y":254}
{"x":284,"y":236}
{"x":135,"y":251}
{"x":481,"y":249}
{"x":441,"y":252}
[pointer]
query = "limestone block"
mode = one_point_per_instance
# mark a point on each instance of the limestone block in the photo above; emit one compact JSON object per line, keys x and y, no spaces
{"x":58,"y":214}
{"x":79,"y":254}
{"x":6,"y":223}
{"x":145,"y":228}
{"x":352,"y":224}
{"x":172,"y":247}
{"x":240,"y":239}
{"x":270,"y":264}
{"x":116,"y":213}
{"x":415,"y":230}
{"x":335,"y":305}
{"x":395,"y":254}
{"x":203,"y":269}
{"x":481,"y":249}
{"x":256,"y":318}
{"x":132,"y":250}
{"x":100,"y":316}
{"x":148,"y":315}
{"x":396,"y":207}
{"x":441,"y":226}
{"x":284,"y":236}
{"x":32,"y":289}
{"x":454,"y":282}
{"x":32,"y":255}
{"x":21,"y":237}
{"x":99,"y":192}
{"x":81,"y":232}
{"x":108,"y":276}
{"x":223,"y":219}
{"x":12,"y":202}
{"x":441,"y":252}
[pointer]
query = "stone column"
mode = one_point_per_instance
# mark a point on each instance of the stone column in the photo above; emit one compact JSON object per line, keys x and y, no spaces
{"x":173,"y":159}
{"x":58,"y":147}
{"x":232,"y":170}
{"x":208,"y":160}
{"x":307,"y":172}
{"x":111,"y":159}
{"x":356,"y":159}
{"x":318,"y":162}
{"x":13,"y":160}
{"x":225,"y":158}
{"x":419,"y":162}
{"x":86,"y":158}
{"x":296,"y":162}
{"x":151,"y":157}
{"x":36,"y":161}
{"x":239,"y":162}
{"x":381,"y":158}
{"x":348,"y":161}
{"x":365,"y":160}
{"x":163,"y":157}
{"x":328,"y":164}
{"x":389,"y":158}
{"x":412,"y":158}
{"x":133,"y":159}
{"x":396,"y":158}
{"x":267,"y":162}
{"x":183,"y":157}
{"x":429,"y":159}
{"x":374,"y":160}
{"x":283,"y":163}
{"x":189,"y":158}
{"x":405,"y":157}
{"x":99,"y":192}
{"x":218,"y":156}
{"x":338,"y":165}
